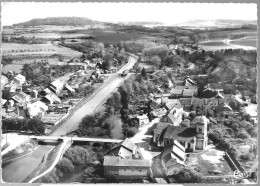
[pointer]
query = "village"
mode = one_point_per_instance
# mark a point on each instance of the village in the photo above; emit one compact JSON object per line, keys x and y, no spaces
{"x":87,"y":101}
{"x":179,"y":125}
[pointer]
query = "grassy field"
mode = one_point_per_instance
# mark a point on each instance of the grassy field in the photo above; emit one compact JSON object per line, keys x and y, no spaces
{"x":44,"y":49}
{"x":248,"y":41}
{"x":214,"y":45}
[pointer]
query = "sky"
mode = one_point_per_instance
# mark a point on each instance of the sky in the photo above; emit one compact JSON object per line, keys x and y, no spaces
{"x":167,"y":13}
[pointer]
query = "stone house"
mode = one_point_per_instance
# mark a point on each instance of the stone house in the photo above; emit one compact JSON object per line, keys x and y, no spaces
{"x":173,"y":158}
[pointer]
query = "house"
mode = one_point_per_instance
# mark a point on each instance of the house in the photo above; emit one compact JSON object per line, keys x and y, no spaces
{"x":171,"y":103}
{"x":173,"y":117}
{"x":209,"y":93}
{"x":69,"y":88}
{"x":51,"y":98}
{"x":157,"y":131}
{"x":19,"y":79}
{"x":187,"y":93}
{"x":158,"y":112}
{"x":176,"y":93}
{"x":229,"y":88}
{"x":126,"y":168}
{"x":224,"y":110}
{"x":198,"y":102}
{"x":37,"y":108}
{"x":190,"y":66}
{"x":125,"y":149}
{"x":173,"y":158}
{"x":218,"y":87}
{"x":184,"y":91}
{"x":56,"y":86}
{"x":186,"y":103}
{"x":142,"y":119}
{"x":189,"y":82}
{"x":3,"y":101}
{"x":4,"y":81}
{"x":21,"y":98}
{"x":153,"y":105}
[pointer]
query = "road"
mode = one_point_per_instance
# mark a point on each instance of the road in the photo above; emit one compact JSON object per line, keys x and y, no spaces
{"x":92,"y":104}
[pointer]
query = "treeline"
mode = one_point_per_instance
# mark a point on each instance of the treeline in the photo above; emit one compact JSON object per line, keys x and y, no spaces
{"x":27,"y":125}
{"x":42,"y":74}
{"x":73,"y":157}
{"x":23,"y":40}
{"x":105,"y":121}
{"x":107,"y":52}
{"x":133,"y":97}
{"x":242,"y":128}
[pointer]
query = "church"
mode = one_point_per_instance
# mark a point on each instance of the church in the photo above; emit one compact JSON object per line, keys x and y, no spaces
{"x":193,"y":137}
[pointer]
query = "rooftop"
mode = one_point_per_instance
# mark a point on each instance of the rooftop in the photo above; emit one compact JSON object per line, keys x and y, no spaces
{"x":180,"y":133}
{"x":118,"y":162}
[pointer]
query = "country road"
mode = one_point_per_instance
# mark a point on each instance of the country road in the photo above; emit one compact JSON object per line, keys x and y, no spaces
{"x":92,"y":104}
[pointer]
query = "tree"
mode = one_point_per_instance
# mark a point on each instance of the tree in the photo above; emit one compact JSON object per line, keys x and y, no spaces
{"x":243,"y":135}
{"x":124,"y":98}
{"x":252,"y":131}
{"x":156,"y":61}
{"x":107,"y":64}
{"x":214,"y":136}
{"x":188,"y":175}
{"x":109,"y":123}
{"x":77,"y":155}
{"x":143,"y":73}
{"x":36,"y":125}
{"x":65,"y":165}
{"x":6,"y":94}
{"x":131,"y":131}
{"x":223,"y":144}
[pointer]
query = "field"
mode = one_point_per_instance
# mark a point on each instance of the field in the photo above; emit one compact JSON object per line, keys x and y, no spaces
{"x":248,"y":41}
{"x":214,"y":45}
{"x":12,"y":67}
{"x":30,"y":49}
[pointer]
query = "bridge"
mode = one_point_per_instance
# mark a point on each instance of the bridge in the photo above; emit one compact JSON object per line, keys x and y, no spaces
{"x":56,"y":138}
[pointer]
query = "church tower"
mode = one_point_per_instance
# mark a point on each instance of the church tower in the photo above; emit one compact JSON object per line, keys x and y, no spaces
{"x":201,"y":133}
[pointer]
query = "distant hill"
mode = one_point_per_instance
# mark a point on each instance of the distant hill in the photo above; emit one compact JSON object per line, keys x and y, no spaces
{"x":59,"y":21}
{"x":141,"y":23}
{"x":219,"y":23}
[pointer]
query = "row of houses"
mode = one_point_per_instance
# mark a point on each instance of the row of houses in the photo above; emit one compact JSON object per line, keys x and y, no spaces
{"x":26,"y":102}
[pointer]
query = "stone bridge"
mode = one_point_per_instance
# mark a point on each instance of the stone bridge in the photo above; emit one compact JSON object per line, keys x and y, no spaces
{"x":90,"y":141}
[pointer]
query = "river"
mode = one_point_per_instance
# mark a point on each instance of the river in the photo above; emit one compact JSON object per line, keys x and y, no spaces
{"x":16,"y":171}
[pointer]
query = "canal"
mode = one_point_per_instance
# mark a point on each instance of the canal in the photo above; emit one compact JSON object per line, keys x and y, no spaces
{"x":24,"y":166}
{"x":16,"y":171}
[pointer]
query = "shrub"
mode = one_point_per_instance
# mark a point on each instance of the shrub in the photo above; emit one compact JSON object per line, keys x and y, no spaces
{"x":110,"y":179}
{"x":214,"y":136}
{"x":246,"y":157}
{"x":77,"y":155}
{"x":233,"y":151}
{"x":242,"y":135}
{"x":46,"y":179}
{"x":65,"y":165}
{"x":223,"y":144}
{"x":188,"y":175}
{"x":252,"y":132}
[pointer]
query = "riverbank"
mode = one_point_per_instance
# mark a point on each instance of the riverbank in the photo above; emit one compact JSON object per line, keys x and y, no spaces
{"x":22,"y":150}
{"x":47,"y":161}
{"x":13,"y":139}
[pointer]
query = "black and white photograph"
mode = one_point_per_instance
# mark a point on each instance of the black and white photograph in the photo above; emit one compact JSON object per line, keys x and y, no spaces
{"x":128,"y":92}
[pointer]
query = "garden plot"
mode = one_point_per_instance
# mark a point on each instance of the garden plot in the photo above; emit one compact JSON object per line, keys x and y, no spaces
{"x":210,"y":162}
{"x":37,"y":49}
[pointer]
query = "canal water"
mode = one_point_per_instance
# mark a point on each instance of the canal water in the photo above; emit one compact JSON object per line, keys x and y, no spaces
{"x":16,"y":171}
{"x":116,"y":132}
